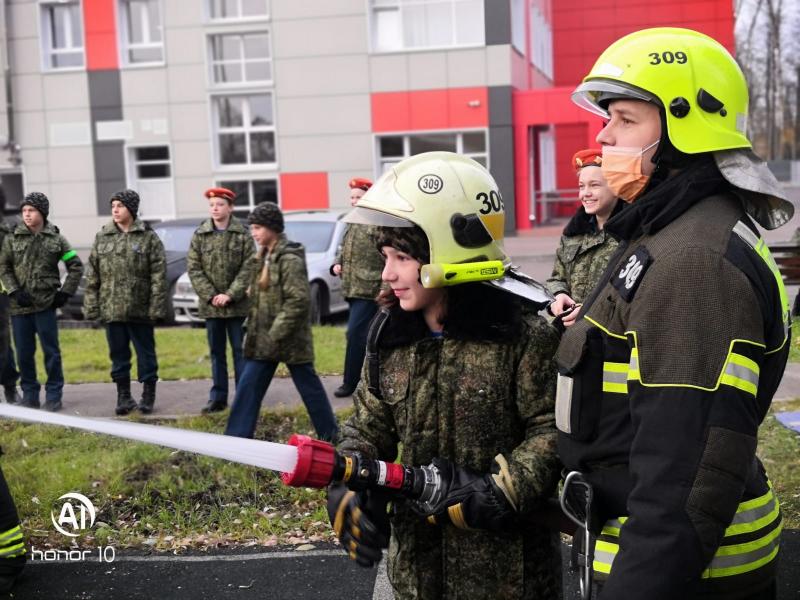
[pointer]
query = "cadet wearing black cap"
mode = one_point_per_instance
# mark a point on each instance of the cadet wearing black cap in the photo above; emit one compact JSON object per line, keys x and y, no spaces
{"x":29,"y":272}
{"x":220,"y":264}
{"x":126,"y":290}
{"x":278,"y":328}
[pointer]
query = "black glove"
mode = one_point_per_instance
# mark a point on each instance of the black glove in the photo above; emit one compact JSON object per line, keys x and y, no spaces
{"x":60,"y":299}
{"x":22,"y":298}
{"x":470,"y":500}
{"x":360,"y":522}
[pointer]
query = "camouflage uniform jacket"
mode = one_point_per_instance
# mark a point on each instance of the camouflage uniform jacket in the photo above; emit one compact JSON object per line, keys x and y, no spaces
{"x":30,"y":261}
{"x":582,"y":257}
{"x":221,"y":262}
{"x":465,"y":400}
{"x":278,"y":325}
{"x":127,"y":276}
{"x":361,"y":262}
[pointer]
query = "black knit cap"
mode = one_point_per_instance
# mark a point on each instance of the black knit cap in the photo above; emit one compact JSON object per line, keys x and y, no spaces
{"x":267,"y":214}
{"x":38,"y":201}
{"x":129,"y":199}
{"x":410,"y":240}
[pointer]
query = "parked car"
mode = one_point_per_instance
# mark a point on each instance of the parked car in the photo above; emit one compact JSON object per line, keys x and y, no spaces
{"x":175,"y":235}
{"x":321,"y":233}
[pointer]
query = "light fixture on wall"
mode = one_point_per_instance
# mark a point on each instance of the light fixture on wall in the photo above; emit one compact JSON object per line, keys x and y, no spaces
{"x":474,"y":103}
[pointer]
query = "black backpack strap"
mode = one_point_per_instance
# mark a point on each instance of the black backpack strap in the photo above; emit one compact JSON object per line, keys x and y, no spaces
{"x":373,"y":357}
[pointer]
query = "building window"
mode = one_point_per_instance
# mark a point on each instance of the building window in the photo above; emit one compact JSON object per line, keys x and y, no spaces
{"x":394,"y":148}
{"x":152,"y":162}
{"x":541,"y":43}
{"x":143,"y":36}
{"x":150,"y":173}
{"x":240,"y":58}
{"x":244,"y":128}
{"x":62,"y":35}
{"x":251,"y":192}
{"x":237,"y":9}
{"x":518,"y":25}
{"x":410,"y":24}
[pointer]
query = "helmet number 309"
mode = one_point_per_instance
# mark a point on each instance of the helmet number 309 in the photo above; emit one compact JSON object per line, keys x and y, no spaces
{"x":430,"y":184}
{"x":491,"y":202}
{"x":667,"y":57}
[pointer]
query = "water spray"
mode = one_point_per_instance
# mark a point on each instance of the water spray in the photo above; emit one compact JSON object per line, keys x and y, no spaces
{"x":303,"y":462}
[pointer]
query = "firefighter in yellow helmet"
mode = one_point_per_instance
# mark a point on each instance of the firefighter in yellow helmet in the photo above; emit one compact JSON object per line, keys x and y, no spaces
{"x":460,"y":375}
{"x":674,"y":359}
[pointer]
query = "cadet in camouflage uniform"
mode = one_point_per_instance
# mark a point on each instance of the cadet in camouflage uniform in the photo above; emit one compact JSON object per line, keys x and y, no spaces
{"x":462,"y":377}
{"x":278,"y":329}
{"x":29,"y":273}
{"x":220,"y":265}
{"x":8,"y":369}
{"x":359,"y":264}
{"x":126,"y":289}
{"x":585,"y":247}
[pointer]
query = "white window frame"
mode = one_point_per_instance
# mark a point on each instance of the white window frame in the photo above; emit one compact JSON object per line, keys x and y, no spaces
{"x":126,"y":45}
{"x":207,"y":5}
{"x":46,"y":28}
{"x":381,"y":164}
{"x":243,"y":61}
{"x":245,"y":128}
{"x":541,"y":43}
{"x":249,"y":179}
{"x":133,"y":179}
{"x":398,"y":5}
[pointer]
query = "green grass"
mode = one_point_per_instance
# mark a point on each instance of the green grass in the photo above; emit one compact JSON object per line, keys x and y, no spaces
{"x":779,"y":449}
{"x":794,"y":351}
{"x":182,"y":354}
{"x":150,"y":497}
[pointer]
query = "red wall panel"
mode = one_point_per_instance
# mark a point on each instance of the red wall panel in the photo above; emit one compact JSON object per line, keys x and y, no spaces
{"x":430,"y":109}
{"x":304,"y":191}
{"x":99,"y":25}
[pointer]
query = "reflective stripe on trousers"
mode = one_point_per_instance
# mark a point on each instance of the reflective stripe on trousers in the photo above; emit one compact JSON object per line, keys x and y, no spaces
{"x":756,"y":520}
{"x":11,"y":543}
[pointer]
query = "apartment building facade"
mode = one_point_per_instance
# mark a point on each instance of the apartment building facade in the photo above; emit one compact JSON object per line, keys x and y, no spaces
{"x":285,"y":100}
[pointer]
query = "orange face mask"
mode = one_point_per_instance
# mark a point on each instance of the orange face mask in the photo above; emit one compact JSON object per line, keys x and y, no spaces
{"x":622,"y":169}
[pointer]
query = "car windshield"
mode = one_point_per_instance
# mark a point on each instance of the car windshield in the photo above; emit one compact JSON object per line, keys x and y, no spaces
{"x":176,"y":238}
{"x":314,"y":235}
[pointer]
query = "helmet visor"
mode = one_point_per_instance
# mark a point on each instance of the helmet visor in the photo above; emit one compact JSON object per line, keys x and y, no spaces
{"x":368,"y":216}
{"x":593,"y":94}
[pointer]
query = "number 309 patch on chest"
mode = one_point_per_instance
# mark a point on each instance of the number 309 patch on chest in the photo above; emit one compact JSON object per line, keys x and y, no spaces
{"x":630,"y":274}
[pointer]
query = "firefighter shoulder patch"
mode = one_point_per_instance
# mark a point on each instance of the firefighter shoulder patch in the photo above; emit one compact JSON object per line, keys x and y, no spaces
{"x":630,"y":274}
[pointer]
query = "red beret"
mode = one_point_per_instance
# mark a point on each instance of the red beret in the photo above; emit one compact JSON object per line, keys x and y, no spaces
{"x":229,"y":195}
{"x":360,"y":183}
{"x":592,"y":157}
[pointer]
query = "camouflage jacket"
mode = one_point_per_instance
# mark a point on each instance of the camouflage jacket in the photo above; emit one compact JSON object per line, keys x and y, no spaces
{"x":127,"y":276}
{"x":221,"y":262}
{"x":581,"y":258}
{"x":467,"y":401}
{"x":361,"y":262}
{"x":278,"y":326}
{"x":30,"y":261}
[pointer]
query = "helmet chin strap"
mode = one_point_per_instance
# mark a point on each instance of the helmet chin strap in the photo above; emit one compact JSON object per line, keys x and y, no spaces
{"x":667,"y":157}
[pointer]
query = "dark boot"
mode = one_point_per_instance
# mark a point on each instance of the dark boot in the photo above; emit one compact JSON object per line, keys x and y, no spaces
{"x":12,"y":395}
{"x":148,"y":397}
{"x":30,"y":400}
{"x":214,"y":406}
{"x":125,"y":402}
{"x":344,"y":390}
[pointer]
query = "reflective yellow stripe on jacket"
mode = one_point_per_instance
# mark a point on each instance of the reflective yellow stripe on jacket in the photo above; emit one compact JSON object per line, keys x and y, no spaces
{"x":11,"y":543}
{"x":758,"y":521}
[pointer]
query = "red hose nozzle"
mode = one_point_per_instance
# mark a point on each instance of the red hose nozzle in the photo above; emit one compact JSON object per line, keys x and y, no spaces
{"x":315,"y":462}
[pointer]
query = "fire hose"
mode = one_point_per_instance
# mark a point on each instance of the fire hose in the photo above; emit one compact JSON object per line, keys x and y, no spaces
{"x":302,"y":462}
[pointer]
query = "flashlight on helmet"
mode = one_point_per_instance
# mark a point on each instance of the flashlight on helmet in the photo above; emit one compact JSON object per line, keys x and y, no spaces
{"x":438,"y":275}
